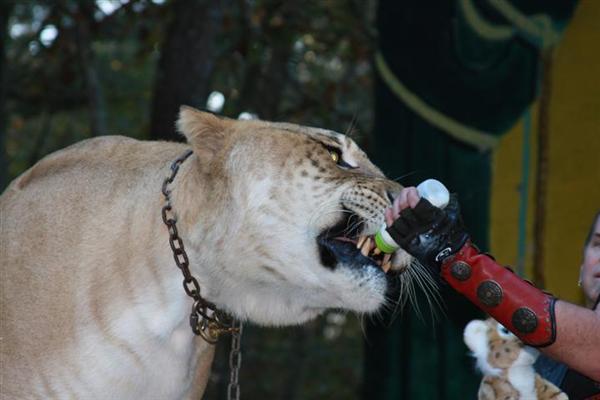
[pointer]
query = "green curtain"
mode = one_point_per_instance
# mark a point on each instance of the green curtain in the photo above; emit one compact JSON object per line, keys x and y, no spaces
{"x":452,"y":77}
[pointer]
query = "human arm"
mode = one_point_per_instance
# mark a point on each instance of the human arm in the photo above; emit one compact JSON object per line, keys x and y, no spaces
{"x":567,"y":332}
{"x":577,"y":341}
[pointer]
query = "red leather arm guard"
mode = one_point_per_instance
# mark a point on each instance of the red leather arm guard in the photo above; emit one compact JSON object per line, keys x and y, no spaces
{"x":518,"y":305}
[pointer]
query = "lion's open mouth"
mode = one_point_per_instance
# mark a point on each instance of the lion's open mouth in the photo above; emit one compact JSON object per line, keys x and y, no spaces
{"x":343,"y":243}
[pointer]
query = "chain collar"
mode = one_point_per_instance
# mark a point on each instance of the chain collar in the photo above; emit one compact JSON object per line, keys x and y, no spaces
{"x":205,"y":319}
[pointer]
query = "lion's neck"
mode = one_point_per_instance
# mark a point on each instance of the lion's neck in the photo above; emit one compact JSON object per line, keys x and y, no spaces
{"x":155,"y":314}
{"x":204,"y":219}
{"x":198,"y":196}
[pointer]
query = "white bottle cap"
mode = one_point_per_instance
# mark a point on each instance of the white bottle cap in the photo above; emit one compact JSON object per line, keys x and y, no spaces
{"x":435,"y":192}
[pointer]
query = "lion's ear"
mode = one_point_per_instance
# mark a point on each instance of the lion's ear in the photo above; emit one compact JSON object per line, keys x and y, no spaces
{"x":204,"y":131}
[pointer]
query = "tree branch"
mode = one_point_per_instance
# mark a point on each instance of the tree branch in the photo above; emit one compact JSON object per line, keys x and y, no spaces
{"x":84,"y":18}
{"x":186,"y":62}
{"x":5,"y":12}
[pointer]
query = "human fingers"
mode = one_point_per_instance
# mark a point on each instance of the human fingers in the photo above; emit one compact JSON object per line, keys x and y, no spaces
{"x":389,"y":219}
{"x":408,"y":197}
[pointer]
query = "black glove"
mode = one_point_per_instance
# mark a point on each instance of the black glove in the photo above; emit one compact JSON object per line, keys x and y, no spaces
{"x":428,"y":233}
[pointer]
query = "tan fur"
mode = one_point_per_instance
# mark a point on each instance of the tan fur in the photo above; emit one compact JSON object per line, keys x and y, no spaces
{"x":507,"y":365}
{"x":92,"y":303}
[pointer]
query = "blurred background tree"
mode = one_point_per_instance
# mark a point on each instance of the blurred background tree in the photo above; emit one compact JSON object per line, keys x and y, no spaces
{"x":76,"y":69}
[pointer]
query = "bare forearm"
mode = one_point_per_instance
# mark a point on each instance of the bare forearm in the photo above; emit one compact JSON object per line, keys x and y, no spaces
{"x":577,"y":339}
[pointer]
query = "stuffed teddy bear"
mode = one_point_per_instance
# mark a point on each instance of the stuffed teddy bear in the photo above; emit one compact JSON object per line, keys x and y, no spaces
{"x":507,"y":364}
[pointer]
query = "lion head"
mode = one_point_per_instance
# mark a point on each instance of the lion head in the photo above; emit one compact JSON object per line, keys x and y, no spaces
{"x":276,"y":214}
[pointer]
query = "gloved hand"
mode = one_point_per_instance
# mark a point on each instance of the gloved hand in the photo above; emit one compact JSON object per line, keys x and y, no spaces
{"x":428,"y":233}
{"x":437,"y":238}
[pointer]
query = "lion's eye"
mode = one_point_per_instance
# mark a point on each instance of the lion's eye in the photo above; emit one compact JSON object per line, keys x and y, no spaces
{"x":335,"y":156}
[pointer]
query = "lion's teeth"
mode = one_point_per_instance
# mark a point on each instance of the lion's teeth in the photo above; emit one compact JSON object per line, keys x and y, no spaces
{"x":364,"y":251}
{"x":361,"y":241}
{"x":386,"y":266}
{"x":376,"y":252}
{"x":366,"y":247}
{"x":386,"y":258}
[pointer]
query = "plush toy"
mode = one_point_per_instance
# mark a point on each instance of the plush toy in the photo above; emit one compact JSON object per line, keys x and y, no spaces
{"x":507,"y":364}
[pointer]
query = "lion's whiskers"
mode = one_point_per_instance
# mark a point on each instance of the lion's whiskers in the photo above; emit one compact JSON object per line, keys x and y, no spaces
{"x":417,"y":275}
{"x":414,"y":277}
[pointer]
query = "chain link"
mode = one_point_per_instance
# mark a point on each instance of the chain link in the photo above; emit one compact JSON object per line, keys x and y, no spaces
{"x":235,"y":363}
{"x":206,"y":320}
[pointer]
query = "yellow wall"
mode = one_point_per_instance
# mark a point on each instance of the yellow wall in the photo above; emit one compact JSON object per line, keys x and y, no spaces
{"x":573,"y":192}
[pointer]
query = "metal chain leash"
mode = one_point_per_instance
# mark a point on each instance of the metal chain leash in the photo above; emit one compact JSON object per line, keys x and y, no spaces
{"x":235,"y":363}
{"x":206,"y":320}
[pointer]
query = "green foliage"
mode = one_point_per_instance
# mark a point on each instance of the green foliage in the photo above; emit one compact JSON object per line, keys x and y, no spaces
{"x":307,"y":62}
